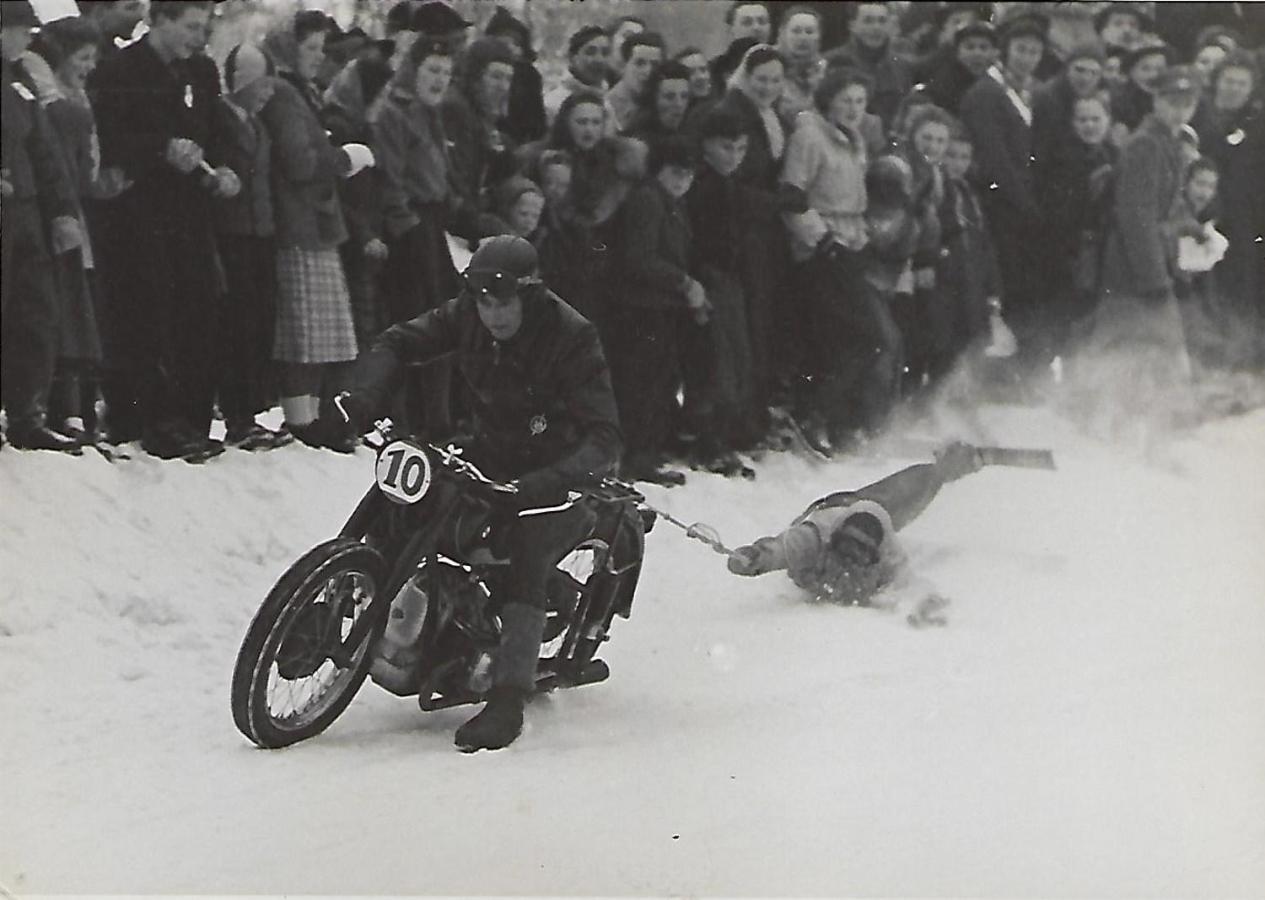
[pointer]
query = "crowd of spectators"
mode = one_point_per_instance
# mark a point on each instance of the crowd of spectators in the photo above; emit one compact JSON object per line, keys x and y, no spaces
{"x":814,"y":227}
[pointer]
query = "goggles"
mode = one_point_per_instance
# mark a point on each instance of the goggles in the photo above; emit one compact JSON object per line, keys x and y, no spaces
{"x":497,"y":284}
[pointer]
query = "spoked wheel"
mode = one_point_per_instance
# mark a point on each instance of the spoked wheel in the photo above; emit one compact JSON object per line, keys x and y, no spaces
{"x":307,"y":651}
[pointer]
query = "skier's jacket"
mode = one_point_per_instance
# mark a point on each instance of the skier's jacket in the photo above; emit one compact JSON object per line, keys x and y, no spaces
{"x":542,"y":401}
{"x":803,"y":547}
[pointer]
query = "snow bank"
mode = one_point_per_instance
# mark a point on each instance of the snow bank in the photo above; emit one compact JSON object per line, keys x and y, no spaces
{"x":1089,"y":723}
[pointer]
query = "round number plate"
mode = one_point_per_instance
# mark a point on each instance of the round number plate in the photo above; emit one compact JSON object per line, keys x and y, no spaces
{"x":403,"y":472}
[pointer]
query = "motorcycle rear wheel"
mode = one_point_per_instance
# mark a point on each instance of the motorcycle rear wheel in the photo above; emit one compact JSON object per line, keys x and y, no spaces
{"x":296,"y":671}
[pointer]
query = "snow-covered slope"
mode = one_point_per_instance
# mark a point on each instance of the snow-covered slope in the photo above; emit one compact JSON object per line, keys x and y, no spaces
{"x":1089,"y":723}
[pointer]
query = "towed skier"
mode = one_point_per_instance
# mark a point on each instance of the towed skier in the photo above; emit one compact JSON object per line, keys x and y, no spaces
{"x":842,"y":548}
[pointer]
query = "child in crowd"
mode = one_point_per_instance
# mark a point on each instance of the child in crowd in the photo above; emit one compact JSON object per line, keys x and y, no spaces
{"x":571,"y":259}
{"x":519,"y":203}
{"x":1190,"y":222}
{"x":653,"y":293}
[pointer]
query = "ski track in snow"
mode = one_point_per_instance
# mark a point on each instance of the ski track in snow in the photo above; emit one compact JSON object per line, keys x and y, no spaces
{"x":1089,"y":723}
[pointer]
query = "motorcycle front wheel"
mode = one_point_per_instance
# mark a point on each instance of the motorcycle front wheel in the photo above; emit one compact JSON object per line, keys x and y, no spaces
{"x":308,"y":649}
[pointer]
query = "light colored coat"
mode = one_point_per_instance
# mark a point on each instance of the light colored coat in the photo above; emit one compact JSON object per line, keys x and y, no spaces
{"x":828,"y":164}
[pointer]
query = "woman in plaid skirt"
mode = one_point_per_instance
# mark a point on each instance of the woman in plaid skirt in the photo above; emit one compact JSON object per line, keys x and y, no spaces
{"x":315,"y":336}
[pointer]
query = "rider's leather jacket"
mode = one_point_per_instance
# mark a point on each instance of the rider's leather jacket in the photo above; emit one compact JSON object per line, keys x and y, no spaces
{"x":542,"y":401}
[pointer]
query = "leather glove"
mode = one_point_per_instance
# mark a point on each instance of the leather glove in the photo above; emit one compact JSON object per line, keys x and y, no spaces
{"x":539,"y":488}
{"x":743,"y":561}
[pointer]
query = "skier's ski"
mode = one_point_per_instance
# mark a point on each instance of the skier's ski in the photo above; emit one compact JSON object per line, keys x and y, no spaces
{"x":792,"y":437}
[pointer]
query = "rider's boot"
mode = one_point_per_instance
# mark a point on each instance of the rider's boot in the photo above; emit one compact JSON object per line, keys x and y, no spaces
{"x":513,"y":681}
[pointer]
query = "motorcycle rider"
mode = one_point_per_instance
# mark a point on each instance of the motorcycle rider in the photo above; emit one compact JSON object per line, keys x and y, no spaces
{"x":544,"y":416}
{"x":842,"y":548}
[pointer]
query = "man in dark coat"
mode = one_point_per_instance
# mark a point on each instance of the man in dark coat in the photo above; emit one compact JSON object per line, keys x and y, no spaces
{"x":39,"y":199}
{"x":544,"y":415}
{"x":870,"y":49}
{"x":155,"y":104}
{"x":1138,"y":327}
{"x":997,"y":111}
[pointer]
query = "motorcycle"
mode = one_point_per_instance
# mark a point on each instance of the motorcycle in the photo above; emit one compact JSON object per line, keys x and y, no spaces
{"x":405,"y":595}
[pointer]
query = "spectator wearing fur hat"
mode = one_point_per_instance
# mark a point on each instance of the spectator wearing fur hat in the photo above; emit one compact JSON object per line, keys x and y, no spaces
{"x":246,"y":237}
{"x":155,"y":102}
{"x":869,"y":48}
{"x":588,"y":55}
{"x":975,"y":48}
{"x":524,"y":120}
{"x":437,"y":20}
{"x":997,"y":111}
{"x":315,"y":337}
{"x":655,"y":293}
{"x":478,"y":154}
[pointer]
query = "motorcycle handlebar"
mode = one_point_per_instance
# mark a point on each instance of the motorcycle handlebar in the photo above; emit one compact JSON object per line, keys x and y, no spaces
{"x":494,"y":491}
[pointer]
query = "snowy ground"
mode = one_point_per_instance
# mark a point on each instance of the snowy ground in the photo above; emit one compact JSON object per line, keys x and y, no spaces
{"x":1090,"y":723}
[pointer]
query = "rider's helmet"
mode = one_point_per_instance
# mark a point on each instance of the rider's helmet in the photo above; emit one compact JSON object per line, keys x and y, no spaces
{"x":502,"y":265}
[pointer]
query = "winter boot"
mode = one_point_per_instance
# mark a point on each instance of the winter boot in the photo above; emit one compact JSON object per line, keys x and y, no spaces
{"x":514,"y":678}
